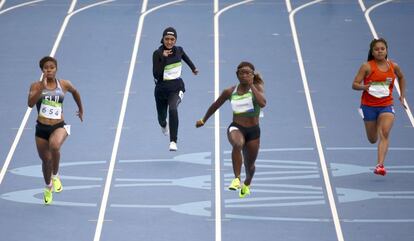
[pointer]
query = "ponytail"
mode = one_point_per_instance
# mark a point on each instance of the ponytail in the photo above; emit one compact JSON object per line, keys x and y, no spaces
{"x":258,"y":79}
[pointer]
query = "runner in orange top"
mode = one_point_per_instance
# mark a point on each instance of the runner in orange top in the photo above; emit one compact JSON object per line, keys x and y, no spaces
{"x":376,"y":79}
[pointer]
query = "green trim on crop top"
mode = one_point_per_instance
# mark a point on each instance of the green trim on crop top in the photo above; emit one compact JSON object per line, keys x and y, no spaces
{"x":244,"y":105}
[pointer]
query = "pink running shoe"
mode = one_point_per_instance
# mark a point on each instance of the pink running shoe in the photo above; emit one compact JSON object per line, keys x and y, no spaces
{"x":380,"y":170}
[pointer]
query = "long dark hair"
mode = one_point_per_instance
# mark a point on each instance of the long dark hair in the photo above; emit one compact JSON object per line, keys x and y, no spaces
{"x":257,"y":78}
{"x":371,"y":47}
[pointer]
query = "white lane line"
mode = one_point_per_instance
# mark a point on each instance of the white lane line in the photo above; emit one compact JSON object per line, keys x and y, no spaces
{"x":66,"y":21}
{"x":374,"y":33}
{"x":361,"y":3}
{"x":28,"y":110}
{"x":217,"y":173}
{"x":2,"y":3}
{"x":368,"y":11}
{"x":134,"y":55}
{"x":91,"y":6}
{"x":17,"y":6}
{"x":324,"y":167}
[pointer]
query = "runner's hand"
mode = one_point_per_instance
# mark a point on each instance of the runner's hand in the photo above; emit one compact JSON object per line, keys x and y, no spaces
{"x":402,"y":100}
{"x":167,"y":52}
{"x":43,"y":84}
{"x":199,"y":123}
{"x":366,"y":87}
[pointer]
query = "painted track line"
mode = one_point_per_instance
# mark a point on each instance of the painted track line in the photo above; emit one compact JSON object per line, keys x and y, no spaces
{"x":65,"y":23}
{"x":324,"y":167}
{"x":17,"y":6}
{"x":374,"y":33}
{"x":2,"y":2}
{"x":104,"y":203}
{"x":217,"y":162}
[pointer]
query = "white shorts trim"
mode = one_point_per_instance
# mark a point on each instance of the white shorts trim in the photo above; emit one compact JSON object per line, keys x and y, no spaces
{"x":67,"y":128}
{"x":361,"y":113}
{"x":233,"y":128}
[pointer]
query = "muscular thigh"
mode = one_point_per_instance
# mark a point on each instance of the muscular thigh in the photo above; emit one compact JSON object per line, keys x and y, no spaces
{"x":251,"y":149}
{"x":235,"y":137}
{"x":386,"y":121}
{"x":57,"y":138}
{"x":42,"y":146}
{"x":371,"y":126}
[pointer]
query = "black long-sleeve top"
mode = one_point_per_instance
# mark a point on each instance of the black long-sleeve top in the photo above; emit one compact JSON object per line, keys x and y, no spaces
{"x":159,"y":61}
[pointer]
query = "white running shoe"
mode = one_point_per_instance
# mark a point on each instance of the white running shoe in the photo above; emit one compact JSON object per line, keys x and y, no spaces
{"x":173,"y":146}
{"x":166,"y":130}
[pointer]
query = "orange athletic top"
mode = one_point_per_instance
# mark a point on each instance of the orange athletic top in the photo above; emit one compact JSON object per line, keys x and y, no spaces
{"x":382,"y":83}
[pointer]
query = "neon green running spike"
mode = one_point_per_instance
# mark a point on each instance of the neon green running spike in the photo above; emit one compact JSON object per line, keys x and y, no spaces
{"x":244,"y":191}
{"x":48,"y":196}
{"x":235,"y":184}
{"x":57,"y":184}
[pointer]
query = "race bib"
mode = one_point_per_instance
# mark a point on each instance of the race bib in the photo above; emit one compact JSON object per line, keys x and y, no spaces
{"x":172,"y":71}
{"x":242,"y":105}
{"x":380,"y":89}
{"x":50,"y":109}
